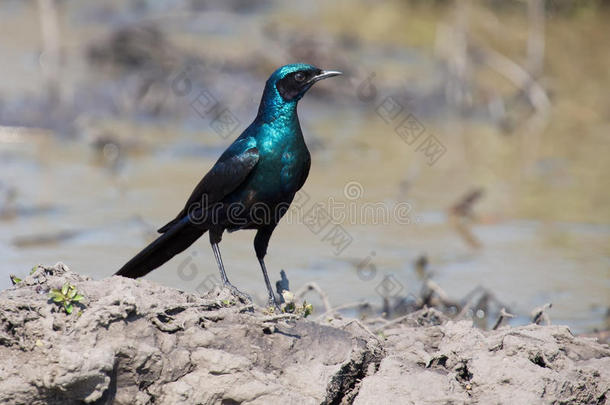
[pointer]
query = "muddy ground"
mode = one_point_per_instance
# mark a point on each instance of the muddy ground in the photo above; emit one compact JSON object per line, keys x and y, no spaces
{"x":137,"y":342}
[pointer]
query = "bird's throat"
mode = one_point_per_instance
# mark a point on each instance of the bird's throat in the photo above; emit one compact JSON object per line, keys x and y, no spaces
{"x":274,"y":108}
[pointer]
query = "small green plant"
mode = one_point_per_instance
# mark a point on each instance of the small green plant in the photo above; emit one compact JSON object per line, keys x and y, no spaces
{"x":307,"y":309}
{"x":66,"y":297}
{"x":14,"y":279}
{"x":290,"y":307}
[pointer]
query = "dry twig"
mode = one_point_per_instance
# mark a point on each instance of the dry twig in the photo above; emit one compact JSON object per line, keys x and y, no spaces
{"x":503,"y":314}
{"x":312,"y":286}
{"x":539,"y":314}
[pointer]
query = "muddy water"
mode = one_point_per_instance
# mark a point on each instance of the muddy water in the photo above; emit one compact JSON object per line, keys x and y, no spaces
{"x":542,"y":227}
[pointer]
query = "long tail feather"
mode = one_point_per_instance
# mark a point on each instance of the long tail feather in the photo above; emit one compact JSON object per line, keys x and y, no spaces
{"x":173,"y":241}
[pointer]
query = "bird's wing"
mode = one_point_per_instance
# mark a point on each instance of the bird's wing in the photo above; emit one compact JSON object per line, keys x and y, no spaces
{"x":226,"y":175}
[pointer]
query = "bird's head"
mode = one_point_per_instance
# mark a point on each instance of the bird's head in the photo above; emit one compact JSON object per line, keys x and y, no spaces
{"x":291,"y":82}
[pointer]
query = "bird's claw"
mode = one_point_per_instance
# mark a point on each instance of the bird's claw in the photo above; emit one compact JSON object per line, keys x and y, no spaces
{"x":272,"y":302}
{"x":245,"y":298}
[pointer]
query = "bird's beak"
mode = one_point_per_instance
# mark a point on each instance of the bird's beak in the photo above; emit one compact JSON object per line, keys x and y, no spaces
{"x":325,"y":74}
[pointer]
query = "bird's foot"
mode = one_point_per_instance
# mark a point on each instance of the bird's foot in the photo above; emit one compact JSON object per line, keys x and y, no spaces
{"x":243,"y":297}
{"x":273,"y":302}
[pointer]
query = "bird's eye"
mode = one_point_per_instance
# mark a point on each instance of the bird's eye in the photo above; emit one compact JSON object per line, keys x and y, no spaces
{"x":299,"y":77}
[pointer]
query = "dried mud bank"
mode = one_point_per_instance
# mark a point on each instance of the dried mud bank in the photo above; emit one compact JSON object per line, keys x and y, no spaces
{"x":137,"y":342}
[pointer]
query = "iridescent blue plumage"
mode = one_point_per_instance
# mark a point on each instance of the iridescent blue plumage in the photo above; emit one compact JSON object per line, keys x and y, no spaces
{"x":272,"y":105}
{"x":284,"y":157}
{"x":252,"y":183}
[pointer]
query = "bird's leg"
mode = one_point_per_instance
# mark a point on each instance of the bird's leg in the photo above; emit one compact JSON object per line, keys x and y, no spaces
{"x":261,"y":241}
{"x":221,"y":267}
{"x":214,"y":239}
{"x":272,"y":300}
{"x":223,"y":275}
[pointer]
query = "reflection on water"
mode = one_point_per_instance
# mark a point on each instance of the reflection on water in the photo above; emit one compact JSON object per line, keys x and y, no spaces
{"x":92,"y":196}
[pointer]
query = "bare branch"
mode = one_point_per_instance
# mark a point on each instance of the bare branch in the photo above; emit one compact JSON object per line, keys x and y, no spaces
{"x":312,"y":286}
{"x":539,"y":314}
{"x":360,"y":304}
{"x":503,"y":314}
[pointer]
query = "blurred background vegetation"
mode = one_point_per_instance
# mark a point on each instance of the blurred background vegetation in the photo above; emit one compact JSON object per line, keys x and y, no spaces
{"x":100,"y":143}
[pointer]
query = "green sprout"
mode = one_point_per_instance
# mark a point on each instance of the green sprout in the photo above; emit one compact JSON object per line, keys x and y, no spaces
{"x":66,"y":297}
{"x":307,"y":309}
{"x":14,"y":279}
{"x":290,"y":307}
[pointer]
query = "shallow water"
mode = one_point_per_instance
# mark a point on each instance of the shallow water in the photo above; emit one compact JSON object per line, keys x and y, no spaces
{"x":543,"y":227}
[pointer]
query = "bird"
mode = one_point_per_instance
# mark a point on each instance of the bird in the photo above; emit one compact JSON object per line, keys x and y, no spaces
{"x":251,"y":185}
